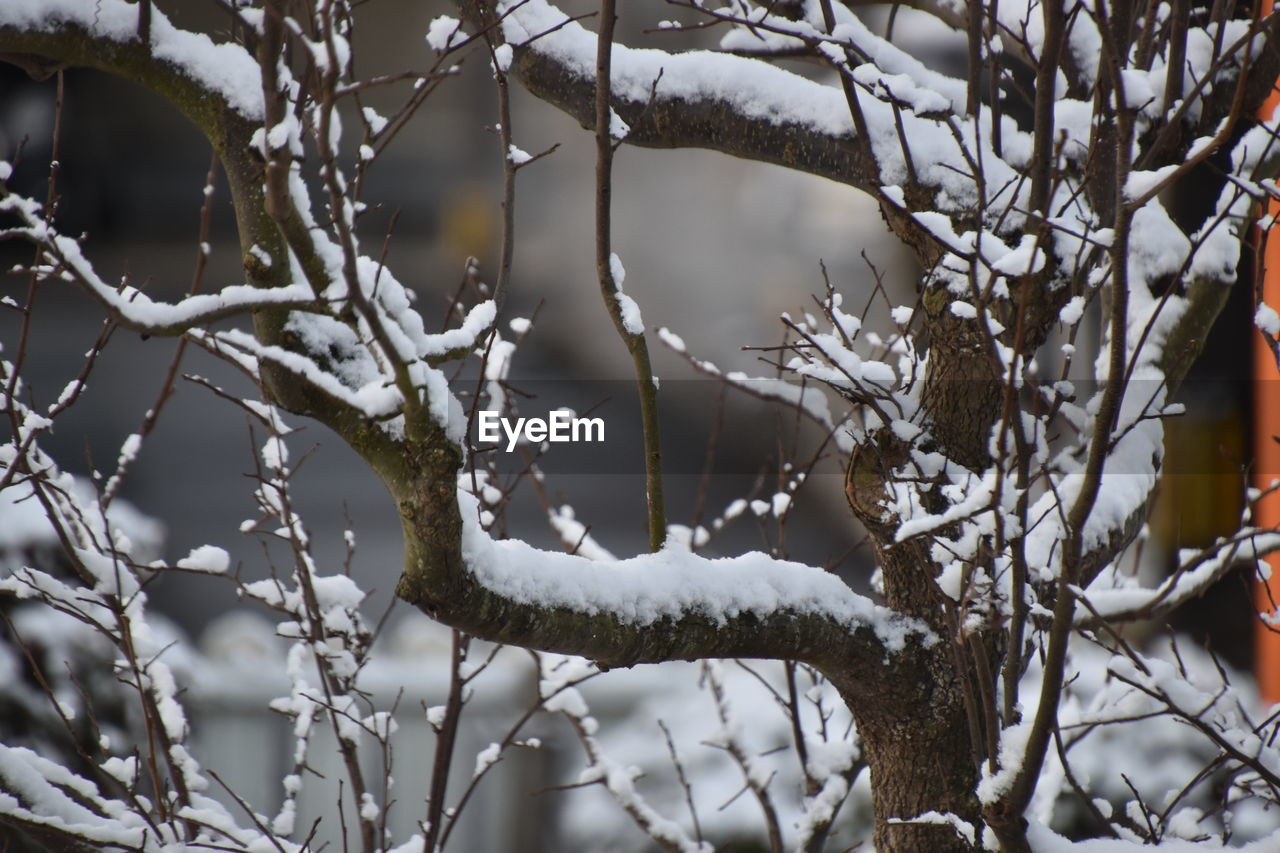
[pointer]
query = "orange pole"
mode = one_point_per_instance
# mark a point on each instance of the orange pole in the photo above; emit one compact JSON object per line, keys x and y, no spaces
{"x":1266,"y":419}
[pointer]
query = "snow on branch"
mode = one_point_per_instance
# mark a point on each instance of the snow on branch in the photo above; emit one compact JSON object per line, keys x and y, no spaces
{"x":127,"y":304}
{"x":754,"y":89}
{"x":558,"y":688}
{"x":674,"y":584}
{"x":849,"y":32}
{"x":43,"y":794}
{"x":375,"y":398}
{"x":751,"y":109}
{"x":1197,"y":571}
{"x":1217,"y":711}
{"x":808,"y":399}
{"x":161,"y":801}
{"x":226,"y":69}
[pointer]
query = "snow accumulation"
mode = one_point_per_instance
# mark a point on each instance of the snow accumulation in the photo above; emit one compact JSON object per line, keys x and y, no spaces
{"x":444,"y":33}
{"x":1195,"y":572}
{"x":24,"y":525}
{"x":1045,"y":840}
{"x":502,"y":56}
{"x":670,"y":583}
{"x":517,"y":156}
{"x":574,"y":534}
{"x":129,"y":302}
{"x":1267,"y":320}
{"x":207,"y":558}
{"x":29,"y":776}
{"x":376,"y":121}
{"x":618,"y":129}
{"x":808,"y":398}
{"x":760,"y":91}
{"x":227,"y":69}
{"x":1140,"y":183}
{"x":632,"y":321}
{"x":1072,"y":311}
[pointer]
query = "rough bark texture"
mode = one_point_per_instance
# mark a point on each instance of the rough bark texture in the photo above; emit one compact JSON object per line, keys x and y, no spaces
{"x":920,"y":759}
{"x":913,"y":720}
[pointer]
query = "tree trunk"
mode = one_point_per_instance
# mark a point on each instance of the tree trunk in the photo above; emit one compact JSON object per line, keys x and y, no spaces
{"x":911,"y":715}
{"x":915,"y":738}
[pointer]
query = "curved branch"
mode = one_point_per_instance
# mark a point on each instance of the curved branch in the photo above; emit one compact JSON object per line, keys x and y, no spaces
{"x":672,"y":605}
{"x":441,"y":576}
{"x":696,"y":116}
{"x":130,"y":307}
{"x":225,"y":104}
{"x":227,"y":109}
{"x":1192,"y":579}
{"x":53,"y":837}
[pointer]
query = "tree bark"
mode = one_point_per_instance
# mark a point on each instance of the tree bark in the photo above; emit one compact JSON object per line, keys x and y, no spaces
{"x":916,"y":724}
{"x":915,"y":739}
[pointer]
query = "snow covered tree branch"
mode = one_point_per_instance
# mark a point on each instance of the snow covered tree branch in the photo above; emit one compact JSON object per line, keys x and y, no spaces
{"x":445,"y":573}
{"x":1018,"y":226}
{"x":1001,"y":494}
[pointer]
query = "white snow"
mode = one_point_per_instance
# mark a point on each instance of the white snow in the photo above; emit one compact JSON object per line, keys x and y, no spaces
{"x":760,"y":91}
{"x":631,"y":319}
{"x":1013,"y":745}
{"x":502,"y":56}
{"x":618,"y":129}
{"x":134,"y":306}
{"x":574,"y":535}
{"x":632,"y":322}
{"x":516,"y":156}
{"x":206,"y":558}
{"x":1267,"y":320}
{"x":1072,"y":311}
{"x":444,"y":33}
{"x":376,"y":121}
{"x":487,"y":757}
{"x":1140,"y":183}
{"x":671,"y":339}
{"x":962,"y":827}
{"x":225,"y":69}
{"x":670,"y":583}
